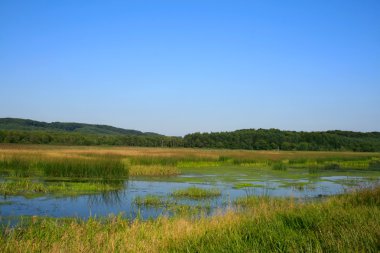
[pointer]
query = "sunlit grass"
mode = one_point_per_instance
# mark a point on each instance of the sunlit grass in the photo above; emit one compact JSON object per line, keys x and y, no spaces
{"x":346,"y":223}
{"x":153,"y":170}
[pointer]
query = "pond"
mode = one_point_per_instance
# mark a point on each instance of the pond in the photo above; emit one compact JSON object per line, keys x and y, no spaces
{"x":232,"y":183}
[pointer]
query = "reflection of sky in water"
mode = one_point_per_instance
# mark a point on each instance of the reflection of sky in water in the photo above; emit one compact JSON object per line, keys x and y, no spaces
{"x":122,"y":201}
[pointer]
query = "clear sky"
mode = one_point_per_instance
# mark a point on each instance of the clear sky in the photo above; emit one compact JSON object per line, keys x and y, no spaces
{"x":176,"y":67}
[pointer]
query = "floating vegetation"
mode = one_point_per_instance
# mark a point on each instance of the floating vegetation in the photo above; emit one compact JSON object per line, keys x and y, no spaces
{"x":31,"y":188}
{"x":150,"y":201}
{"x":194,"y":192}
{"x":22,"y":187}
{"x":246,"y":185}
{"x":300,"y":186}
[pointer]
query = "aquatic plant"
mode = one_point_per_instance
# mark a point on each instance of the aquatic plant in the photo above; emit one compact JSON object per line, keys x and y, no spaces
{"x":22,"y":187}
{"x":243,"y":185}
{"x":150,"y":201}
{"x":30,"y":188}
{"x":194,"y":192}
{"x":83,"y":168}
{"x":263,"y":225}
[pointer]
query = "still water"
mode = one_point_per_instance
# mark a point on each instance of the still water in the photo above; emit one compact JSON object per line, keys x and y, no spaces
{"x":122,"y":201}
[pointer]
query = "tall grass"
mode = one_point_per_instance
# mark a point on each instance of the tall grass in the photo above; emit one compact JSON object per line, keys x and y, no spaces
{"x":75,"y":167}
{"x":347,"y":223}
{"x":84,"y":168}
{"x":17,"y":165}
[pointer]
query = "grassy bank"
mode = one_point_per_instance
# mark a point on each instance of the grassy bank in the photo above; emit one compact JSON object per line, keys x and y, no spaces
{"x":344,"y":223}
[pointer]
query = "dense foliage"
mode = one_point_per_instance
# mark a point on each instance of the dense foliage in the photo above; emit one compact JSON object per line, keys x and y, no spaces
{"x":263,"y":139}
{"x":45,"y":137}
{"x":34,"y":132}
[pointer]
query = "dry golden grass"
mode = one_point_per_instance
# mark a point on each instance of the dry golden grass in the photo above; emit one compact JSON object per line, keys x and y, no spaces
{"x":153,"y":170}
{"x":76,"y":151}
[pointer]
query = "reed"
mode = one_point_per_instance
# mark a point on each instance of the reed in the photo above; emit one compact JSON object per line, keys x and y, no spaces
{"x":153,"y":170}
{"x":84,"y":168}
{"x":21,"y":165}
{"x":18,"y":165}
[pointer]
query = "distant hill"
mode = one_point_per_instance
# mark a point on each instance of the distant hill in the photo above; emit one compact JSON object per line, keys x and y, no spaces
{"x":25,"y":131}
{"x":16,"y":124}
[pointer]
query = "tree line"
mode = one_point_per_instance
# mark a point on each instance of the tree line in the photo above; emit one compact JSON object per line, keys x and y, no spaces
{"x":252,"y":139}
{"x":67,"y":138}
{"x":274,"y":139}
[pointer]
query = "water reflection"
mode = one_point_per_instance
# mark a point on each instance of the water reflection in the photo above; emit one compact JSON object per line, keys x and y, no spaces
{"x":121,"y":199}
{"x":108,"y":198}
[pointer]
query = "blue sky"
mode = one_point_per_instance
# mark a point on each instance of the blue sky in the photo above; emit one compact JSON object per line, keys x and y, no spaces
{"x":176,"y":67}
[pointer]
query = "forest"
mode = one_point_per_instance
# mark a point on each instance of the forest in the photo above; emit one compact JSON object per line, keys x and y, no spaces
{"x":272,"y":139}
{"x":250,"y":139}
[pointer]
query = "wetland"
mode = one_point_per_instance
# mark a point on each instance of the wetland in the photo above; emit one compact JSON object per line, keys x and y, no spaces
{"x":80,"y":185}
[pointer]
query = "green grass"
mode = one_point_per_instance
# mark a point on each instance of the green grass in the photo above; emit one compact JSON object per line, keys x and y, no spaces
{"x":74,"y":167}
{"x":345,"y":223}
{"x":243,"y":185}
{"x":194,"y":192}
{"x":150,"y":201}
{"x":31,"y":188}
{"x":84,"y":168}
{"x":18,"y":165}
{"x":341,"y":224}
{"x":22,"y":187}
